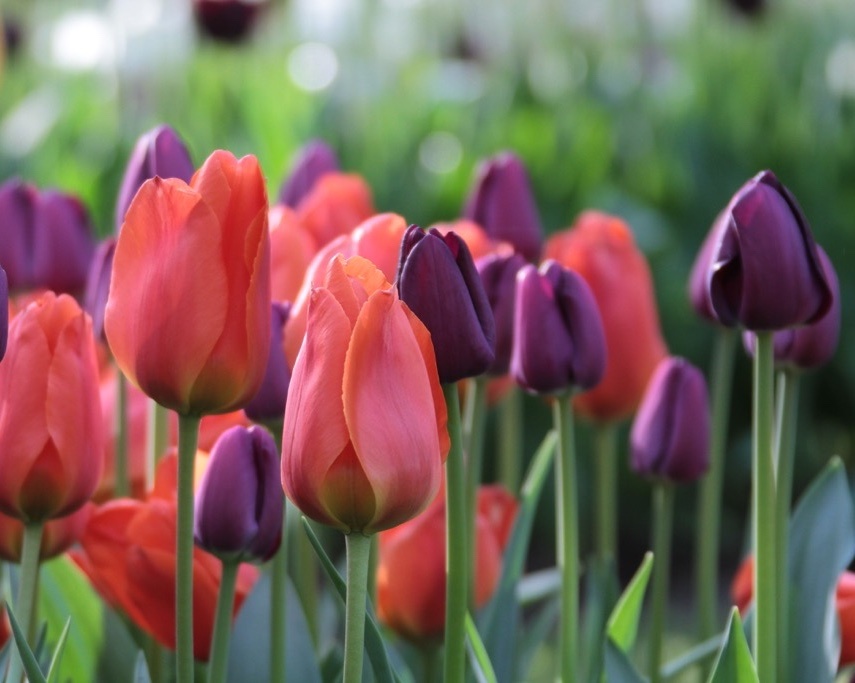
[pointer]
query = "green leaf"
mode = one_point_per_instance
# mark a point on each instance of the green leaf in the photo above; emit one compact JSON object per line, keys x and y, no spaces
{"x":699,"y":653}
{"x":622,"y":626}
{"x":602,"y":588}
{"x":500,"y":617}
{"x":31,"y":666}
{"x":53,"y":670}
{"x":141,"y":674}
{"x":478,"y":653}
{"x":536,"y":631}
{"x":734,"y":663}
{"x":618,"y":667}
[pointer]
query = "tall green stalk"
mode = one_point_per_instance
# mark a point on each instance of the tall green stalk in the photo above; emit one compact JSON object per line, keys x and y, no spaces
{"x":456,"y":550}
{"x":188,"y":436}
{"x":606,"y":503}
{"x":122,"y":485}
{"x":566,"y":500}
{"x":278,"y":590}
{"x":25,"y":606}
{"x":218,"y":667}
{"x":473,"y":436}
{"x":358,"y":550}
{"x":303,"y":569}
{"x":663,"y":514}
{"x":157,"y":438}
{"x":510,"y":439}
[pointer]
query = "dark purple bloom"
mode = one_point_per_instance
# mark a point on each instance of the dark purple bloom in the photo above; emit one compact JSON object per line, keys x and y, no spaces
{"x":765,"y":273}
{"x":4,"y":312}
{"x":670,"y":434}
{"x":699,"y":294}
{"x":269,"y":403}
{"x":499,"y":277}
{"x":559,"y":342}
{"x":437,"y":279}
{"x":46,"y":239}
{"x":240,"y":500}
{"x":98,"y":285}
{"x":314,"y":160}
{"x":159,"y":152}
{"x":501,"y":202}
{"x":229,"y":21}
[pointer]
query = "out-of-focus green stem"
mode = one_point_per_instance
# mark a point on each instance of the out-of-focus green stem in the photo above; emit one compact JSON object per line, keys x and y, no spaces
{"x":278,"y":589}
{"x":218,"y":667}
{"x":606,"y":504}
{"x":510,"y":439}
{"x":663,"y":514}
{"x":157,"y":438}
{"x":27,"y":590}
{"x":122,"y":485}
{"x":473,"y":446}
{"x":304,"y":570}
{"x":358,"y":549}
{"x":188,"y":436}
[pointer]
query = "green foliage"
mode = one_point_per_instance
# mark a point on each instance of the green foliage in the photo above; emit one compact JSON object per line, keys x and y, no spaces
{"x":622,"y":626}
{"x":734,"y":663}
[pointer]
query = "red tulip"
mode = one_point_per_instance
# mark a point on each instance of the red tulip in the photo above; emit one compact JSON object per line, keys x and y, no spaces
{"x":188,"y":316}
{"x":336,"y":204}
{"x":58,"y":536}
{"x":292,"y":249}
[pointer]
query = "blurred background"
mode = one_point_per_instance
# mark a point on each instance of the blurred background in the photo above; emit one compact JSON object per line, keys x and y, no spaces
{"x":657,"y":110}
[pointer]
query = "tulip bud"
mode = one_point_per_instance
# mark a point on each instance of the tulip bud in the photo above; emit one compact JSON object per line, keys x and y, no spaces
{"x":558,"y":334}
{"x":159,"y":152}
{"x":269,"y":403}
{"x":314,"y":160}
{"x":239,"y":502}
{"x":59,"y":534}
{"x":698,"y":290}
{"x":337,"y":203}
{"x":438,"y":281}
{"x":670,"y":434}
{"x":501,"y":202}
{"x":765,"y":273}
{"x":98,"y":285}
{"x":499,"y":276}
{"x":4,"y":312}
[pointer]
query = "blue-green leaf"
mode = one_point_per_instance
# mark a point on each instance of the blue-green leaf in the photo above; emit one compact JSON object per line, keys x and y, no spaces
{"x":53,"y":670}
{"x":478,"y":653}
{"x":141,"y":674}
{"x":734,"y":663}
{"x":618,"y":667}
{"x":622,"y":626}
{"x":31,"y":666}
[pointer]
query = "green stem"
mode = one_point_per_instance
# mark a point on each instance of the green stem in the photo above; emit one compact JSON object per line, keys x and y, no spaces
{"x":605,"y":474}
{"x":510,"y":437}
{"x":785,"y":447}
{"x":304,"y":568}
{"x":358,"y":551}
{"x":663,"y":515}
{"x":765,"y":507}
{"x":278,"y":591}
{"x":157,"y":438}
{"x":566,"y":500}
{"x":218,"y":667}
{"x":430,"y":663}
{"x":122,"y":483}
{"x":373,"y":561}
{"x":455,"y":545}
{"x":27,"y":588}
{"x":188,"y":435}
{"x":709,"y":502}
{"x":473,"y":435}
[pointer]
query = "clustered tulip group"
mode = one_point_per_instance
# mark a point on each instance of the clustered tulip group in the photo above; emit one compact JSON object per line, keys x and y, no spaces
{"x":348,"y":337}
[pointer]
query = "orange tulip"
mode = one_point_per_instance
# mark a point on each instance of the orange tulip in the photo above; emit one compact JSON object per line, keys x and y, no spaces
{"x":411,"y":570}
{"x":479,"y":242}
{"x":58,"y":536}
{"x":50,"y":415}
{"x":292,"y":249}
{"x":188,"y":315}
{"x":601,"y":249}
{"x":337,"y":203}
{"x":365,"y":422}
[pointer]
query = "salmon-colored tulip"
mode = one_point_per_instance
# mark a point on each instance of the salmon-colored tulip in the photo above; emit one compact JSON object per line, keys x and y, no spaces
{"x":188,"y":316}
{"x":365,"y":422}
{"x":58,"y":535}
{"x":479,"y":242}
{"x":337,"y":203}
{"x":50,"y":414}
{"x":411,"y":570}
{"x":292,"y":249}
{"x":602,"y":250}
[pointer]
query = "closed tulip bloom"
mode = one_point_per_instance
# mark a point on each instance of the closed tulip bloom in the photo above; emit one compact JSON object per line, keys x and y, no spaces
{"x":158,"y":152}
{"x":670,"y":434}
{"x":439,"y":282}
{"x":601,"y":249}
{"x":269,"y":403}
{"x":365,"y":422}
{"x":314,"y":160}
{"x":698,"y":290}
{"x":292,"y":249}
{"x":227,"y":21}
{"x":239,"y":502}
{"x":411,"y":567}
{"x":499,"y":276}
{"x":188,"y":316}
{"x":4,"y":312}
{"x":501,"y":201}
{"x":58,"y":535}
{"x":98,"y":285}
{"x":558,"y":335}
{"x":765,"y":272}
{"x":336,"y":204}
{"x":476,"y":238}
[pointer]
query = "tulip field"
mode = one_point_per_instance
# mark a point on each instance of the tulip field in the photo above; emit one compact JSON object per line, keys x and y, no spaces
{"x":340,"y":344}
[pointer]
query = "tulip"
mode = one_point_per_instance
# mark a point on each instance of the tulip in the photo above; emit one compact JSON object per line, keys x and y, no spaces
{"x":4,"y":312}
{"x":765,"y":272}
{"x":480,"y":244}
{"x":670,"y":433}
{"x":188,"y":315}
{"x":365,"y":434}
{"x":314,"y":160}
{"x":292,"y":249}
{"x":47,"y":241}
{"x":227,"y":21}
{"x":98,"y":285}
{"x":698,"y":291}
{"x":50,"y":415}
{"x":411,"y":567}
{"x":501,"y":201}
{"x":337,"y":203}
{"x":498,"y":275}
{"x":438,"y":281}
{"x":158,"y":152}
{"x":59,"y":534}
{"x":239,"y":503}
{"x":269,"y":403}
{"x":601,"y":249}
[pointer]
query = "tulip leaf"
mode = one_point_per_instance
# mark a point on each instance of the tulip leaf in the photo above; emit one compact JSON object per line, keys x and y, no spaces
{"x":618,"y":667}
{"x":734,"y":663}
{"x":622,"y":626}
{"x":31,"y":666}
{"x":602,"y":589}
{"x":53,"y":670}
{"x":478,"y":653}
{"x":141,"y":674}
{"x":694,"y":655}
{"x":534,"y":635}
{"x":501,"y":615}
{"x":822,"y":543}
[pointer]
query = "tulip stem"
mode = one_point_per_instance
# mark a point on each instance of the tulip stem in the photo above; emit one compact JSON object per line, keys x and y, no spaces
{"x":358,"y":552}
{"x":473,"y":429}
{"x":765,"y":509}
{"x":510,"y":428}
{"x":605,"y":473}
{"x":157,"y":438}
{"x":456,"y":549}
{"x":785,"y":445}
{"x":25,"y":607}
{"x":223,"y":623}
{"x":663,"y":516}
{"x":188,"y":436}
{"x":709,"y":502}
{"x":567,"y":543}
{"x":122,"y":484}
{"x":303,"y":567}
{"x":278,"y":588}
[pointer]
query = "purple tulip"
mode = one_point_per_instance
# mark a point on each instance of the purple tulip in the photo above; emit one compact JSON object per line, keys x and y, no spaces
{"x":159,"y":152}
{"x":269,"y":403}
{"x":765,"y":273}
{"x":228,"y":21}
{"x":4,"y":312}
{"x":98,"y":285}
{"x":314,"y":160}
{"x":559,"y":342}
{"x":699,"y":295}
{"x":437,"y":279}
{"x":239,"y":502}
{"x":501,"y":202}
{"x":499,"y":277}
{"x":670,"y":434}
